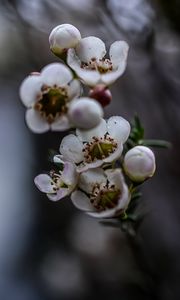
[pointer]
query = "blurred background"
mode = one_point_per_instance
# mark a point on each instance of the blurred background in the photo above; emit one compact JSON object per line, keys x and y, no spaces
{"x":51,"y":251}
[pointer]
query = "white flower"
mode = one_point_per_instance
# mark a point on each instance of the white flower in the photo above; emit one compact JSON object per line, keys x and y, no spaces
{"x":94,"y":147}
{"x":101,"y":194}
{"x":139,"y":163}
{"x":59,"y":184}
{"x":63,"y":37}
{"x":85,"y":112}
{"x":47,"y":97}
{"x":89,"y":62}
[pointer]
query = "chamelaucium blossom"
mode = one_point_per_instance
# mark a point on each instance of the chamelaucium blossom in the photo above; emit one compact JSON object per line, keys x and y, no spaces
{"x":63,"y":37}
{"x":101,"y":194}
{"x":139,"y":163}
{"x":58,"y":185}
{"x":88,"y":60}
{"x":94,"y":147}
{"x":85,"y":112}
{"x":47,"y":96}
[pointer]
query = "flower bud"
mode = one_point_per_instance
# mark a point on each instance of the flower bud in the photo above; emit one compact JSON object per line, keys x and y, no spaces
{"x":63,"y":37}
{"x":139,"y":163}
{"x":85,"y":113}
{"x":102,"y":94}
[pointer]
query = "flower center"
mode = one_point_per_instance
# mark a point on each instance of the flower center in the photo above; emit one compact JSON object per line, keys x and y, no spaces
{"x":99,"y":148}
{"x":57,"y":182}
{"x":105,"y":197}
{"x":103,"y":65}
{"x":53,"y":103}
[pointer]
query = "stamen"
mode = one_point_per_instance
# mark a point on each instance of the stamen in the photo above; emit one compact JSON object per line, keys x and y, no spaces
{"x":103,"y":65}
{"x":105,"y":197}
{"x":52,"y":102}
{"x":99,"y":148}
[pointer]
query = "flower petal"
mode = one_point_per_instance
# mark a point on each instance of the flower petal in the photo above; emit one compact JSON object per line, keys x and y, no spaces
{"x":111,"y":77}
{"x":98,"y":131}
{"x":88,"y":179}
{"x":109,"y":213}
{"x":84,"y":166}
{"x":61,"y":124}
{"x":118,"y":54}
{"x":74,"y":89}
{"x":116,"y":177}
{"x":61,"y":193}
{"x":58,"y":159}
{"x":30,"y":89}
{"x":90,"y":47}
{"x":118,"y":128}
{"x":81,"y":201}
{"x":71,"y":148}
{"x":69,"y":175}
{"x":35,"y":122}
{"x":43,"y":183}
{"x":56,"y":74}
{"x":89,"y":77}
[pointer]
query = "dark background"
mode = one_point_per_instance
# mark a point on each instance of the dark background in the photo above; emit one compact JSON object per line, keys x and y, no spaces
{"x":52,"y":251}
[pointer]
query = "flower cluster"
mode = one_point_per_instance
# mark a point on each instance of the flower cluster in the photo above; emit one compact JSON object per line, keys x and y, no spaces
{"x":101,"y":161}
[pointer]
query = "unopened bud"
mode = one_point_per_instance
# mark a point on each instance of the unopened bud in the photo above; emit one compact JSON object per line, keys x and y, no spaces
{"x":63,"y":37}
{"x":102,"y":94}
{"x":85,"y":113}
{"x":139,"y":163}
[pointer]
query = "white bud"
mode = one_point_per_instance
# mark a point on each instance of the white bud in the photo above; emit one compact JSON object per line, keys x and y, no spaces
{"x":85,"y":113}
{"x":63,"y":37}
{"x":139,"y":163}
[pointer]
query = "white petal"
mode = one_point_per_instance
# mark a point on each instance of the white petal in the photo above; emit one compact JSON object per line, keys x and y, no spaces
{"x":43,"y":183}
{"x":123,"y":201}
{"x":30,"y":89}
{"x":115,"y":155}
{"x":118,"y":128}
{"x":56,"y":74}
{"x":89,"y":77}
{"x":90,"y":47}
{"x":35,"y":122}
{"x":116,"y":177}
{"x":85,"y":112}
{"x":69,"y":175}
{"x":84,"y":166}
{"x":98,"y":131}
{"x":109,"y":213}
{"x":81,"y":201}
{"x":111,"y":77}
{"x":58,"y":159}
{"x":61,"y":193}
{"x":61,"y":124}
{"x":88,"y":179}
{"x":74,"y":89}
{"x":71,"y":148}
{"x":118,"y":54}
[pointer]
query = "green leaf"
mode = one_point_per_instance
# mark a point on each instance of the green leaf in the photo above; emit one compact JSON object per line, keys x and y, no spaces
{"x":155,"y":143}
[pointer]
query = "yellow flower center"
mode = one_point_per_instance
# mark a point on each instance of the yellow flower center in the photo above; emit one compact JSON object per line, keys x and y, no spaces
{"x":105,"y":197}
{"x":52,"y":102}
{"x":99,"y":148}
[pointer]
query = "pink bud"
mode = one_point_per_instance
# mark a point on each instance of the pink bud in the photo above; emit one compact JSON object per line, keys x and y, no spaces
{"x":102,"y":94}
